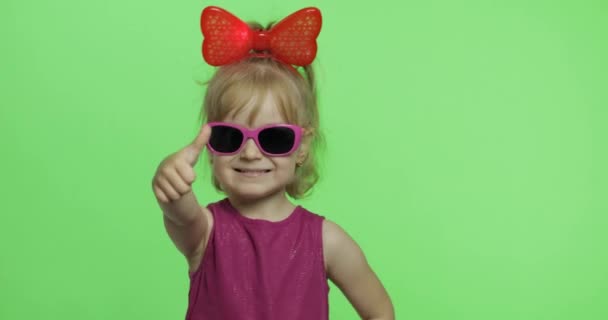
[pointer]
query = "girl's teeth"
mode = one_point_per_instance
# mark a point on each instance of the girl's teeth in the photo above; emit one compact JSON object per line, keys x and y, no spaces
{"x":253,"y":172}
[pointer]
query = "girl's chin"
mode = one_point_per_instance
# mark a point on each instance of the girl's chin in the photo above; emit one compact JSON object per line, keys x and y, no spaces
{"x":252,"y":193}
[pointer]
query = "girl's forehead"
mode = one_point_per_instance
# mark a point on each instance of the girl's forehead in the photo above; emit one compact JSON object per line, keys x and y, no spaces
{"x":257,"y":112}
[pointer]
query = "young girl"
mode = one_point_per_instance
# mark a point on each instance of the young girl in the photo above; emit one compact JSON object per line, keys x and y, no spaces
{"x":254,"y":254}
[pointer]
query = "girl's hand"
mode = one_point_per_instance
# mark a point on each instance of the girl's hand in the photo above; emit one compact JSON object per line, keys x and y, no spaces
{"x":175,"y":174}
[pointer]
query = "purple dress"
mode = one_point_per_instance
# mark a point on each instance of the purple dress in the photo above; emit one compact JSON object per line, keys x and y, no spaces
{"x":256,"y":269}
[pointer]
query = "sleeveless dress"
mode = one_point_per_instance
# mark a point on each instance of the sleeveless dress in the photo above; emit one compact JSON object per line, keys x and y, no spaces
{"x":255,"y":269}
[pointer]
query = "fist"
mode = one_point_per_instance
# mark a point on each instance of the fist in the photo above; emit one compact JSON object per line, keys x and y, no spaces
{"x":175,"y":174}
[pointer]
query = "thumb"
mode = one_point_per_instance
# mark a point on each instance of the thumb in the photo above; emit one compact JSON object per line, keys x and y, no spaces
{"x":197,"y":146}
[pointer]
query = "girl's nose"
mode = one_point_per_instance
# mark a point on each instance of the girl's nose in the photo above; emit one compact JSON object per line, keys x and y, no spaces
{"x":250,"y":150}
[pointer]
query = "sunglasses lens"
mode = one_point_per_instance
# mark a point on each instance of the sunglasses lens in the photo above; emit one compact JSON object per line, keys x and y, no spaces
{"x":277,"y":140}
{"x":225,"y":139}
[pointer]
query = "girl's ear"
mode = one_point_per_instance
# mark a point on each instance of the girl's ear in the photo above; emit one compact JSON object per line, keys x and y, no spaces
{"x":303,"y":149}
{"x":302,"y":153}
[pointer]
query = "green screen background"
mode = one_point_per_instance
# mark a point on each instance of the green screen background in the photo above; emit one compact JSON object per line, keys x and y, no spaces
{"x":466,"y":153}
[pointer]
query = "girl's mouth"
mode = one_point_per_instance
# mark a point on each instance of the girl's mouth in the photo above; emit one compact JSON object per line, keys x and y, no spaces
{"x":252,"y":173}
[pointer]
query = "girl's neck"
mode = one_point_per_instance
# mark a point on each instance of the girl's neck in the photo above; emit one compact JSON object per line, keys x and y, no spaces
{"x":273,"y":208}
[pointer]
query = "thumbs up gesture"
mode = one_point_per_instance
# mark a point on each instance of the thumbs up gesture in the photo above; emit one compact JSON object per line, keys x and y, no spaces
{"x":175,"y":174}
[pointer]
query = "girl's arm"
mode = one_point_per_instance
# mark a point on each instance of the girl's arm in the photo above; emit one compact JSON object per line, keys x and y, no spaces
{"x":348,"y":269}
{"x":186,"y":222}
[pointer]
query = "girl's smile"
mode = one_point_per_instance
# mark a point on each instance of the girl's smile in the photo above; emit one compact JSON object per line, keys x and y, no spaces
{"x":252,"y":172}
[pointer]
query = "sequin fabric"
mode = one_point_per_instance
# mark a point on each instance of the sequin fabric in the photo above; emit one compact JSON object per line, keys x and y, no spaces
{"x":260,"y":270}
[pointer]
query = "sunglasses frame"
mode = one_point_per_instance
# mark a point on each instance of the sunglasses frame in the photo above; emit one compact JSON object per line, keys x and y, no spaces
{"x":254,"y":134}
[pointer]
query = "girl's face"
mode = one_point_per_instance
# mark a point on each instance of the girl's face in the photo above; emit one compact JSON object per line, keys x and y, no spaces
{"x":277,"y":173}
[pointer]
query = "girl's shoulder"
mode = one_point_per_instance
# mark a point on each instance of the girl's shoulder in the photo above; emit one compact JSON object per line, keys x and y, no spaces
{"x":332,"y":234}
{"x":338,"y":246}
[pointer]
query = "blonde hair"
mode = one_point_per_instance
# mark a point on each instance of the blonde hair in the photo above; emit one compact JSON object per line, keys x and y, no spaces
{"x":247,"y":83}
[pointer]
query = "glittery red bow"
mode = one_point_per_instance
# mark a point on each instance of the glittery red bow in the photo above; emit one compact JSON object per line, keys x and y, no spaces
{"x":228,"y":39}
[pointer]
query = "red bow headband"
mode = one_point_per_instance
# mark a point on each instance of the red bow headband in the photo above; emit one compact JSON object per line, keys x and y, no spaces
{"x":228,"y":39}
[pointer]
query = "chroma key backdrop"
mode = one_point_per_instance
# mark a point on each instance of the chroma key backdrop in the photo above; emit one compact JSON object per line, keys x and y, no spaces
{"x":466,"y":153}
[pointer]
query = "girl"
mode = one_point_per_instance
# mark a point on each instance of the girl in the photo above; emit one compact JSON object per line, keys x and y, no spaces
{"x":254,"y":254}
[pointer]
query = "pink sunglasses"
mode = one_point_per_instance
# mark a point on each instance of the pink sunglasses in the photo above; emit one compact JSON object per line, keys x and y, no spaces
{"x":273,"y":140}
